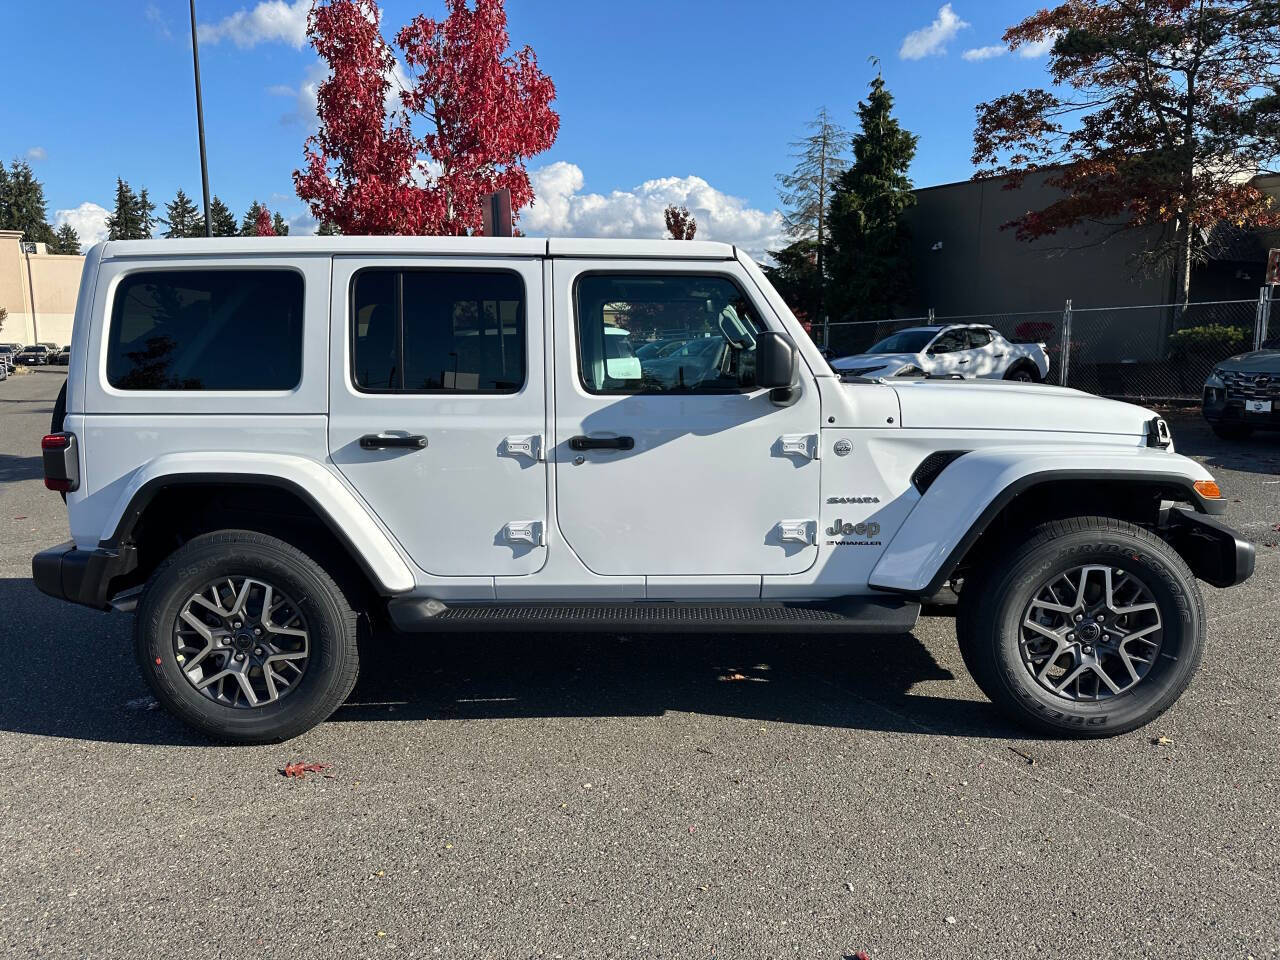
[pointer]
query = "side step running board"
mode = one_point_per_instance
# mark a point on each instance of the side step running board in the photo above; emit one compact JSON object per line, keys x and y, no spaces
{"x":884,"y":615}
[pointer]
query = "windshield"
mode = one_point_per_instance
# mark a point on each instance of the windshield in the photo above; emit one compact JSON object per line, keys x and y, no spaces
{"x":905,"y":341}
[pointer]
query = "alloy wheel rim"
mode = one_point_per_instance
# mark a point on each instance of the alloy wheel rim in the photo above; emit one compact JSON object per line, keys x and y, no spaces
{"x":242,"y":642}
{"x":1091,"y":633}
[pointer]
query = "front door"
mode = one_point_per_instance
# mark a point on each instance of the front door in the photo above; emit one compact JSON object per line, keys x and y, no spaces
{"x":437,"y":406}
{"x":669,"y":460}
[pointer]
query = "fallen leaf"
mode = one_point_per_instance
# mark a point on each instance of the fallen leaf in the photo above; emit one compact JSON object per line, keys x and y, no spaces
{"x":300,"y":770}
{"x":951,"y":919}
{"x":1161,"y":741}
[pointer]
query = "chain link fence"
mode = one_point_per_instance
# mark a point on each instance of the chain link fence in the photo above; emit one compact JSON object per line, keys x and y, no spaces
{"x":1153,"y":352}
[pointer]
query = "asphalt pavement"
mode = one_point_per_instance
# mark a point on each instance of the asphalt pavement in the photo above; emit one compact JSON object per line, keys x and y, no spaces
{"x":612,"y":796}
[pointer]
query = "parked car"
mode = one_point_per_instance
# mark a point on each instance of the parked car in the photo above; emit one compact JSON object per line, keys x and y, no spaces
{"x":1242,"y":393}
{"x":965,"y":350}
{"x":62,"y":358}
{"x":35,"y":355}
{"x":440,"y":442}
{"x":51,"y":347}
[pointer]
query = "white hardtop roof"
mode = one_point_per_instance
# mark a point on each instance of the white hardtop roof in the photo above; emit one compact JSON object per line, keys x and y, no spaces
{"x":424,"y":246}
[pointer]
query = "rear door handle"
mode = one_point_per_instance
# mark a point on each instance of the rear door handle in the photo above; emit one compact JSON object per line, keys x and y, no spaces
{"x":601,"y":443}
{"x":378,"y":441}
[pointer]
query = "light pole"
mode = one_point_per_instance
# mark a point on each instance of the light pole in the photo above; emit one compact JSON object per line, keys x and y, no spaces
{"x":204,"y":161}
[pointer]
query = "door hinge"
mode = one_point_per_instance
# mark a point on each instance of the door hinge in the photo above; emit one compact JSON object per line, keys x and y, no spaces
{"x":526,"y":445}
{"x":800,"y":445}
{"x":798,"y":531}
{"x":523,"y":531}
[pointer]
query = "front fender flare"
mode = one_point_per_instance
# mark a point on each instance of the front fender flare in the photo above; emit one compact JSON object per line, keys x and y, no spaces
{"x":336,"y":505}
{"x":971,"y":491}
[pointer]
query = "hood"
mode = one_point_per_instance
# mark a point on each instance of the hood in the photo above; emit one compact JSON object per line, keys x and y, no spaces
{"x":875,"y":360}
{"x":1009,"y":405}
{"x":1256,"y":361}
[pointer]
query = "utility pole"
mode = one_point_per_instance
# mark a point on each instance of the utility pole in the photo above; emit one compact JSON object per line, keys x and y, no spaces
{"x":204,"y":161}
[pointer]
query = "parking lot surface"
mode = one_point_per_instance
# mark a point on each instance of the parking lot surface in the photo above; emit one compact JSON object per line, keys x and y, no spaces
{"x":612,"y":796}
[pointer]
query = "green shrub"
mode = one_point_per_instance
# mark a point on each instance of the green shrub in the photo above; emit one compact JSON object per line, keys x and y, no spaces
{"x":1214,"y":338}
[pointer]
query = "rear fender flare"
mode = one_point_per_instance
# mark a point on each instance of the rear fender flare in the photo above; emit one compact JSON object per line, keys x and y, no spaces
{"x":339,"y":508}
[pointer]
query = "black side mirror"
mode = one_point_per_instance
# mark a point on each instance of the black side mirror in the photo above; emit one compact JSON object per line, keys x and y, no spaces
{"x":775,"y":360}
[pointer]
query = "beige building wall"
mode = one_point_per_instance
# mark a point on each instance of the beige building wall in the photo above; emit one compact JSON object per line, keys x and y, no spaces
{"x":39,"y":291}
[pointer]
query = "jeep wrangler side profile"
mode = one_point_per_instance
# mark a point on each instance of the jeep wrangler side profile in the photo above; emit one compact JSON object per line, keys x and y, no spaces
{"x":268,"y":445}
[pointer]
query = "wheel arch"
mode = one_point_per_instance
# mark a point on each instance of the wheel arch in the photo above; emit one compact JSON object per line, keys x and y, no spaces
{"x":983,"y":497}
{"x":162,"y":508}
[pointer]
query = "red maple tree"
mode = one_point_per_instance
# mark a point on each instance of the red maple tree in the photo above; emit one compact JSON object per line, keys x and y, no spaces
{"x":1162,"y":111}
{"x":263,"y":227}
{"x":485,"y":112}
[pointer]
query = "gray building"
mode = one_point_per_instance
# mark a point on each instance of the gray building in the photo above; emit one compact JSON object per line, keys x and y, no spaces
{"x":966,"y":264}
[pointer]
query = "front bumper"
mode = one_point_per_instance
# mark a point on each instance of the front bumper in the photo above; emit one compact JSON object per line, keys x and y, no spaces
{"x":1212,"y":550}
{"x":81,"y":576}
{"x":1220,"y":407}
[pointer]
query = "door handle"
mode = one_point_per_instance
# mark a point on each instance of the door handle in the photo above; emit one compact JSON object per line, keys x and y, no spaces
{"x":601,"y":443}
{"x":962,"y":361}
{"x":377,"y":441}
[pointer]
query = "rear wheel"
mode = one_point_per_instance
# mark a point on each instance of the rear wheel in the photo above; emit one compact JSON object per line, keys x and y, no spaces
{"x":1091,"y":628}
{"x":246,"y":638}
{"x":1232,"y":431}
{"x":1023,"y":372}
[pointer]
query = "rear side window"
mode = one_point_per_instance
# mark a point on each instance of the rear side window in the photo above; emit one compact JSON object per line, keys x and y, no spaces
{"x":432,"y":331}
{"x":206,"y":330}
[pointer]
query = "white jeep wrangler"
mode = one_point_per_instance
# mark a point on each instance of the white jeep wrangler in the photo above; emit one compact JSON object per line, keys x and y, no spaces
{"x":270,"y":445}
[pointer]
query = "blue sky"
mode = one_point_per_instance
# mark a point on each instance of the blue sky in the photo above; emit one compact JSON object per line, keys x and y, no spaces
{"x":693,"y":101}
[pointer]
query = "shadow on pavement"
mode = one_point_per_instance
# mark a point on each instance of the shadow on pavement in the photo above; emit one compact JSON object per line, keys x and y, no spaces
{"x":20,"y":468}
{"x":1259,"y":453}
{"x":70,"y":673}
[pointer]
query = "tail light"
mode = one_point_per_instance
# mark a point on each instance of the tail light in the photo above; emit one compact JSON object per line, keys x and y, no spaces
{"x":61,"y":462}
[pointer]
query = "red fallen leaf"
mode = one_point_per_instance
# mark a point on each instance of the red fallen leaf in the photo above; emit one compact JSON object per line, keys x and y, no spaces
{"x":300,"y":770}
{"x":860,"y":955}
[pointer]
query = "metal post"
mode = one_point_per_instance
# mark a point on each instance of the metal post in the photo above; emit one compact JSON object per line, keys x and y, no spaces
{"x":931,"y":315}
{"x":826,"y":333}
{"x":1262,"y":317}
{"x":204,"y":162}
{"x":1065,"y":364}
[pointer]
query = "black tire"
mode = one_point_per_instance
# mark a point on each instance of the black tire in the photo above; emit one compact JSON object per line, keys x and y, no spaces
{"x":1232,"y":431}
{"x":1025,"y":371}
{"x":331,"y":668}
{"x":992,"y":605}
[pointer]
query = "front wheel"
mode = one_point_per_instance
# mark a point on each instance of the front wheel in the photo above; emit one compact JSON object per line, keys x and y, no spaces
{"x":1091,"y":628}
{"x":1023,"y":373}
{"x":246,"y":638}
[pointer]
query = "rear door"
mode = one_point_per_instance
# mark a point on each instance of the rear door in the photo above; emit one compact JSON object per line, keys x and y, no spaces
{"x":681,"y":468}
{"x":982,"y":349}
{"x":437,"y":406}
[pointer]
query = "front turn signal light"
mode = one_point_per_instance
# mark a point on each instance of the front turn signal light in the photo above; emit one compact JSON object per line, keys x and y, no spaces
{"x":1208,"y":489}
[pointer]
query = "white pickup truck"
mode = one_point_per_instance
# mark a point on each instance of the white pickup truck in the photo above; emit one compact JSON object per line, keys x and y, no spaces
{"x":269,"y":446}
{"x":968,"y":351}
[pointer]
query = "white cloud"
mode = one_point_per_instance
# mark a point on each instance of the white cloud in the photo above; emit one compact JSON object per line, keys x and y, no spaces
{"x":88,"y":220}
{"x":985,"y":53}
{"x":934,"y":38}
{"x":562,"y":209}
{"x":36,"y":154}
{"x":271,"y":21}
{"x":1030,"y":51}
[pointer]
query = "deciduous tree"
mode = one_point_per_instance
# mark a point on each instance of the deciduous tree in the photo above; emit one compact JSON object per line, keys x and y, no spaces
{"x":868,"y":254}
{"x":262,"y":227}
{"x":1161,"y":111}
{"x":485,"y":111}
{"x":681,"y":224}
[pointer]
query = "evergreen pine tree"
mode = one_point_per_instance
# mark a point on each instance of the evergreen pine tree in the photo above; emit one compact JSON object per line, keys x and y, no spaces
{"x":66,"y":240}
{"x":123,"y":222}
{"x":222,"y":219}
{"x":24,"y":206}
{"x":794,"y":275}
{"x":868,"y":260}
{"x":182,"y":218}
{"x":806,"y":192}
{"x":249,"y":225}
{"x":327,"y":229}
{"x":146,"y":215}
{"x":279,"y":226}
{"x":4,"y":197}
